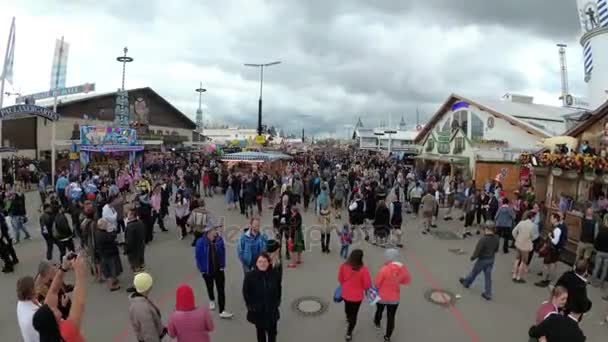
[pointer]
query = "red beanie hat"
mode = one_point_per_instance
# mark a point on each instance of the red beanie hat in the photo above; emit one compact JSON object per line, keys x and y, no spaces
{"x":184,"y":298}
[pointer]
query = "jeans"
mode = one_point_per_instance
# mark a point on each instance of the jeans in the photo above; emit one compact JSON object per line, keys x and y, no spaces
{"x":391,"y":310}
{"x":18,"y":226}
{"x":485,"y":266}
{"x":415,"y":205}
{"x":344,"y":251}
{"x":49,"y":246}
{"x":64,"y":247}
{"x":325,"y":239}
{"x":284,"y":235}
{"x":601,"y":266}
{"x":351,"y":309}
{"x":266,"y":332}
{"x":157,"y":217}
{"x":219,"y":280}
{"x":506,"y":234}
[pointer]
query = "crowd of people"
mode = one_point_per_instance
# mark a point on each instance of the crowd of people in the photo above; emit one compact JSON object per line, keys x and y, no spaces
{"x":94,"y":217}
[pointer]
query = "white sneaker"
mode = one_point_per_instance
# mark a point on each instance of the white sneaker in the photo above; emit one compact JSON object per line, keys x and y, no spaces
{"x":226,"y":314}
{"x":211,"y":305}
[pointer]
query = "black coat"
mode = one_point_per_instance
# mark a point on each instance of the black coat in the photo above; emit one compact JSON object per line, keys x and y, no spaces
{"x":577,"y":292}
{"x":262,"y":294}
{"x":558,"y":328}
{"x":105,"y":243}
{"x":357,"y":216}
{"x":277,"y":215}
{"x":135,"y":238}
{"x":382,"y":218}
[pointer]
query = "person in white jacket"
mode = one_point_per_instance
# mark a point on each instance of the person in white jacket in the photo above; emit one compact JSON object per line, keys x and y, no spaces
{"x":523,"y":234}
{"x":27,"y":305}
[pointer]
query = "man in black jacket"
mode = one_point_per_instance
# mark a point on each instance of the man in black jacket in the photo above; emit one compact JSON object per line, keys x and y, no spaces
{"x":559,"y":328}
{"x":484,"y":254}
{"x":7,"y":252}
{"x":135,"y":241}
{"x":17,"y":212}
{"x":280,"y":222}
{"x":47,"y":221}
{"x":576,"y":285}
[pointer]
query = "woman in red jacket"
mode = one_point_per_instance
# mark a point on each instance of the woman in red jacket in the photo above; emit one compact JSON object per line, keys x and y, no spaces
{"x":354,"y":278}
{"x":388,"y":281}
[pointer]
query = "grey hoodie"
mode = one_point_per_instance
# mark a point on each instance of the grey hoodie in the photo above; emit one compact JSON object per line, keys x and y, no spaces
{"x":145,"y":319}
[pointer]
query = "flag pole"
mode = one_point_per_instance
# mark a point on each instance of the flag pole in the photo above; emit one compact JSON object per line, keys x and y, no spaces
{"x":53,"y":128}
{"x":8,"y":45}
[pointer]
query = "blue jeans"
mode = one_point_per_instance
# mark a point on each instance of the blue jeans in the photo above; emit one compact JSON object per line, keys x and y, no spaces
{"x":344,"y":251}
{"x":601,"y":266}
{"x":18,"y":226}
{"x":485,"y":266}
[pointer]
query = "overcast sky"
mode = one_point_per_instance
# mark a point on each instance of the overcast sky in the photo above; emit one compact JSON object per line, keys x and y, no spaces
{"x":341,"y":58}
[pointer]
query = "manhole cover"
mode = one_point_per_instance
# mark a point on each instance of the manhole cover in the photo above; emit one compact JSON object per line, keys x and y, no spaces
{"x":457,"y":251}
{"x":445,"y":235}
{"x":440,"y":297}
{"x":309,"y":306}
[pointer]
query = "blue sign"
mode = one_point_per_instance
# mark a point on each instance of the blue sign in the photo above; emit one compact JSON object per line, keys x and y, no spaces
{"x":459,"y":104}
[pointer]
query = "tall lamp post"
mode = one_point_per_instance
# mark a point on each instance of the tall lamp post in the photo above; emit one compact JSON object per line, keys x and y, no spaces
{"x":121,"y":113}
{"x":379,"y":135}
{"x":261,"y":66}
{"x":390,"y":133}
{"x":199,"y":112}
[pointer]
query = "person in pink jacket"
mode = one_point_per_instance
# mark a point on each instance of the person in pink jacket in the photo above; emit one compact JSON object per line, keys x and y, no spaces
{"x":389,"y":279}
{"x":354,"y":278}
{"x":189,"y":323}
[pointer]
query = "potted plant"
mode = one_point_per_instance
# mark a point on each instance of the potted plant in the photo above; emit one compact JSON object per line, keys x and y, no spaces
{"x":589,"y":165}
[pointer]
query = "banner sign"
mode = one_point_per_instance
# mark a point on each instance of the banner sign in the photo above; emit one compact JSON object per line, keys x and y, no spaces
{"x":10,"y":112}
{"x":111,"y":148}
{"x":60,"y":64}
{"x":102,"y":135}
{"x":83,"y":88}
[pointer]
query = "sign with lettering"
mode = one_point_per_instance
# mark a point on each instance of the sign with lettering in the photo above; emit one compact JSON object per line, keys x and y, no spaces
{"x":111,"y":148}
{"x":83,"y":88}
{"x":12,"y":111}
{"x":102,"y":135}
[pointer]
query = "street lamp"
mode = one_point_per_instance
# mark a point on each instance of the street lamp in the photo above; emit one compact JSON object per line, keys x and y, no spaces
{"x":199,"y":112}
{"x":124,"y":59}
{"x":390,"y":132}
{"x":379,"y":134}
{"x":261,"y":66}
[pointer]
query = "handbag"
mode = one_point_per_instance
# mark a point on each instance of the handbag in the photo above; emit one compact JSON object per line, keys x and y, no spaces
{"x":338,"y":294}
{"x":372,"y":296}
{"x":543,"y":250}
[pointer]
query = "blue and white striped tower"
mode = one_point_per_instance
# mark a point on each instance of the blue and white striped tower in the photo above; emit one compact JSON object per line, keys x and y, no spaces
{"x":593,"y":16}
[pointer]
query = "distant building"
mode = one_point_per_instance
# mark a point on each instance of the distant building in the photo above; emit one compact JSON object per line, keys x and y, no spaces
{"x":158,"y":121}
{"x":223,"y":135}
{"x":466,"y":131}
{"x":396,"y":140}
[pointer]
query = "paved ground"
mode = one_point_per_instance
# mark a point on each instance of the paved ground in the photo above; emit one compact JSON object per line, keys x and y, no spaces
{"x":505,"y":319}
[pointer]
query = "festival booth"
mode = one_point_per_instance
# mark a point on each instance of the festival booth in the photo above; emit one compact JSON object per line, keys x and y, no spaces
{"x":271,"y":162}
{"x":108,"y":147}
{"x":571,"y":173}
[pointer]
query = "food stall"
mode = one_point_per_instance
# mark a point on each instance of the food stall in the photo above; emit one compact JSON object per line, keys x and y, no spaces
{"x":574,"y":178}
{"x":109,"y":147}
{"x":271,"y":162}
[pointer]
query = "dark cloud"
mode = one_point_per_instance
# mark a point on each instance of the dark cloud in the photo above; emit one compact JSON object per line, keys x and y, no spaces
{"x":341,"y":59}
